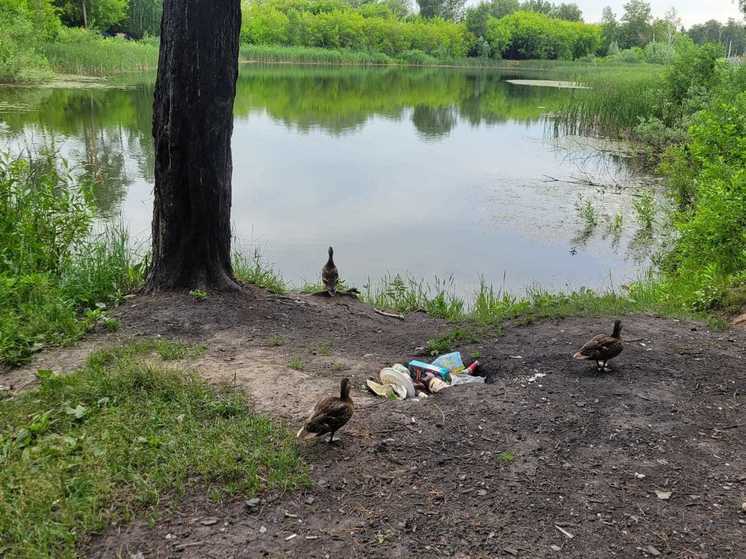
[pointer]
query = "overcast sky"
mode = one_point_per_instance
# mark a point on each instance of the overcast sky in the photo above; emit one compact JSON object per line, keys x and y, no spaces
{"x":690,"y":11}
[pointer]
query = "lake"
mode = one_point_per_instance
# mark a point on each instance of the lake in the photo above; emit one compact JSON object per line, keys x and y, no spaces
{"x":421,"y":172}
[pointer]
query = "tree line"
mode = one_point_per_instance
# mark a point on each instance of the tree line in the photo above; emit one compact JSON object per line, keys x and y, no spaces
{"x":443,"y":29}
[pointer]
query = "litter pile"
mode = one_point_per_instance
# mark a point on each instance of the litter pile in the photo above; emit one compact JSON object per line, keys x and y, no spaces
{"x":419,"y":379}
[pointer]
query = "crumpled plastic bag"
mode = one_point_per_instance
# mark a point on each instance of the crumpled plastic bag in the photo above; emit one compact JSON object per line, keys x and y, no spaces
{"x":451,"y":361}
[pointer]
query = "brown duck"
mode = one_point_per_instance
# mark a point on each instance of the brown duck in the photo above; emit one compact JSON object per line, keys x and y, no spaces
{"x":330,"y":414}
{"x":329,"y":274}
{"x":602,"y":348}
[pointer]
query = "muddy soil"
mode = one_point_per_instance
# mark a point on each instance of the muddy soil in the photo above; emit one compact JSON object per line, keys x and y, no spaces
{"x":549,"y":459}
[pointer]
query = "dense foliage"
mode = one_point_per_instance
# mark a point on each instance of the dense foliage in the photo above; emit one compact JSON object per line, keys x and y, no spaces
{"x":707,"y":175}
{"x":52,"y":271}
{"x":375,"y":28}
{"x":693,"y":117}
{"x":95,"y":14}
{"x":731,"y":35}
{"x":376,"y":31}
{"x":335,"y":25}
{"x":24,"y":27}
{"x":529,"y":35}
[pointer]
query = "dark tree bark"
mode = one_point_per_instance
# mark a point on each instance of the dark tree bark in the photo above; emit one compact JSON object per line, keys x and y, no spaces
{"x":192,"y":128}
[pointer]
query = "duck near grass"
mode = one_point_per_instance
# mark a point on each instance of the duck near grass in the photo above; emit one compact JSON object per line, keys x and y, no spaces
{"x":330,"y":274}
{"x":602,"y":348}
{"x":330,"y":414}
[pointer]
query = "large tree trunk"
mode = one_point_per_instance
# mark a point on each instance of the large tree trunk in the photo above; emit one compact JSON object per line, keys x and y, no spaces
{"x":192,"y":128}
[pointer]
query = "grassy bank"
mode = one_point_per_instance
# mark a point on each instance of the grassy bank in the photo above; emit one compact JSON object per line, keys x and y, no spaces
{"x":57,"y":275}
{"x":84,"y":53}
{"x":108,"y":442}
{"x":690,"y":120}
{"x":347,"y":57}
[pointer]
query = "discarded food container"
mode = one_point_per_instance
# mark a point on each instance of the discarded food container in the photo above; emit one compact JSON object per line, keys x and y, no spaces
{"x":436,"y":385}
{"x":450,"y":361}
{"x":419,"y":368}
{"x":472,"y":368}
{"x":388,"y":391}
{"x":398,"y":377}
{"x":466,"y":379}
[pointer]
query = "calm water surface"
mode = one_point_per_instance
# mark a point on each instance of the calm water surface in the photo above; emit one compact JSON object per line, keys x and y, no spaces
{"x":420,"y":172}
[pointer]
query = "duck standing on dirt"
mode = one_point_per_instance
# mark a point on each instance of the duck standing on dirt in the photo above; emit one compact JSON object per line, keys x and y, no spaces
{"x":602,"y":348}
{"x":330,"y":274}
{"x":330,"y":414}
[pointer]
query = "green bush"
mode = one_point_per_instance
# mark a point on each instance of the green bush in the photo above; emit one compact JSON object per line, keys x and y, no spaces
{"x":336,"y":25}
{"x":711,"y":248}
{"x":54,"y":274}
{"x":529,"y":35}
{"x":79,"y":51}
{"x":42,"y":216}
{"x":24,"y":26}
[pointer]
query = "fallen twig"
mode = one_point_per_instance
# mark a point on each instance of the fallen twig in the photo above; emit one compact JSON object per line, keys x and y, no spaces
{"x":183,"y":546}
{"x":565,"y":532}
{"x":352,"y":292}
{"x":389,"y":314}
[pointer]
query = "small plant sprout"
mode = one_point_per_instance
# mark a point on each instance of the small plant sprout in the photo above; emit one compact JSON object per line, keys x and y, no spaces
{"x":645,"y":210}
{"x":507,"y":457}
{"x":198,"y":294}
{"x":296,"y":363}
{"x":276,"y":341}
{"x":586,"y":213}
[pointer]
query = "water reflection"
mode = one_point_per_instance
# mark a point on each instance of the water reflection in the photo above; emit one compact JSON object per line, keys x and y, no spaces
{"x":420,"y":171}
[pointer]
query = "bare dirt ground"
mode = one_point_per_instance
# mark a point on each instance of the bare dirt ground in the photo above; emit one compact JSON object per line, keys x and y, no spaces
{"x":547,"y":460}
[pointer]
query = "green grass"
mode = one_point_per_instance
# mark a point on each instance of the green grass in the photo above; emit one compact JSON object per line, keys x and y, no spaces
{"x":617,"y":99}
{"x":276,"y":341}
{"x":199,"y":294}
{"x":56,"y":274}
{"x":645,"y":210}
{"x":38,"y":310}
{"x":345,"y":57}
{"x":506,"y":457}
{"x":254,"y":270}
{"x":296,"y":363}
{"x":86,"y":53}
{"x":107,"y":442}
{"x":401,"y":295}
{"x":324,"y":349}
{"x":586,"y":213}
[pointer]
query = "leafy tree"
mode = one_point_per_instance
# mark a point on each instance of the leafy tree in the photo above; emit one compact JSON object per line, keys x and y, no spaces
{"x":664,"y":30}
{"x":143,"y":18}
{"x":568,"y":12}
{"x":636,"y":28}
{"x":610,"y":29}
{"x":538,"y":6}
{"x":96,"y":14}
{"x":24,"y":26}
{"x":731,"y":35}
{"x":400,"y":8}
{"x":530,"y":35}
{"x":693,"y":73}
{"x":476,"y":17}
{"x":710,"y":31}
{"x":447,"y":9}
